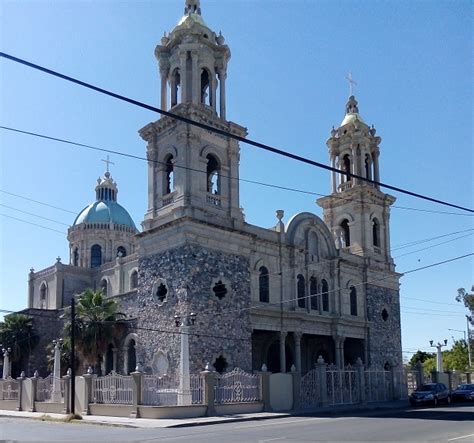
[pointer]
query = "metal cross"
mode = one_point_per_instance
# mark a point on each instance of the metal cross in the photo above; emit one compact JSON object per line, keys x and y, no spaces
{"x":108,"y":162}
{"x":352,"y":82}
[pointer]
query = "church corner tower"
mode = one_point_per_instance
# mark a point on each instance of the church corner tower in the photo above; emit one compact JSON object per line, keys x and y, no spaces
{"x":192,"y":172}
{"x":356,"y":211}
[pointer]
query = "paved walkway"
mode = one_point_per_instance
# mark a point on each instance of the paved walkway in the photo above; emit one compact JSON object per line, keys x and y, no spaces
{"x":148,"y":423}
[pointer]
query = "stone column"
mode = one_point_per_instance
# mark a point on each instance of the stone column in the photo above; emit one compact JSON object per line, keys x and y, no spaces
{"x":184,"y":395}
{"x":56,"y":392}
{"x":209,"y":382}
{"x":6,"y":363}
{"x":283,"y":351}
{"x":321,"y":368}
{"x":297,"y":338}
{"x":333,"y":174}
{"x":33,"y":386}
{"x":67,"y":392}
{"x":114,"y":359}
{"x":196,"y":93}
{"x":183,"y":77}
{"x":31,"y":287}
{"x":339,"y":350}
{"x":376,"y":168}
{"x":213,"y":90}
{"x":174,"y":91}
{"x":137,"y":393}
{"x":88,"y":390}
{"x":222,"y":77}
{"x":20,"y":380}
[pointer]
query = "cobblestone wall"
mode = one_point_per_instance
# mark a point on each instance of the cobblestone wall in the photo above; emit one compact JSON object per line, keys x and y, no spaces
{"x":383,"y":313}
{"x":189,"y":274}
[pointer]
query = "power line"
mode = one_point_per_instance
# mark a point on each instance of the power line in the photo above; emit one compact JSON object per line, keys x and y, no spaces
{"x":34,"y":215}
{"x":37,"y":201}
{"x":34,"y":224}
{"x":426,"y":240}
{"x":227,"y":133}
{"x":254,"y":182}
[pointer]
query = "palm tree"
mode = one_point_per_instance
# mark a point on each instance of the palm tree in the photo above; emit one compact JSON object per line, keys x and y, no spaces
{"x":17,"y":332}
{"x":97,"y":322}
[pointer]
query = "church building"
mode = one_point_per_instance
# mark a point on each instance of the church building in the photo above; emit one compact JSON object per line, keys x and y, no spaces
{"x":281,"y":296}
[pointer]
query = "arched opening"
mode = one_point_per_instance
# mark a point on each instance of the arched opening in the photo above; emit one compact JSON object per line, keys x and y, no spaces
{"x":205,"y":87}
{"x":213,"y":175}
{"x":121,"y":251}
{"x":131,"y":356}
{"x":104,"y":286}
{"x":264,"y":285}
{"x":96,"y":256}
{"x":346,"y":233}
{"x":301,"y":291}
{"x":353,"y":300}
{"x":313,"y":292}
{"x":346,"y":167}
{"x":325,"y":295}
{"x":313,"y":246}
{"x":368,"y":166}
{"x":75,"y":257}
{"x":220,"y":364}
{"x":134,"y":280}
{"x":175,"y":87}
{"x":43,"y":293}
{"x":169,"y":175}
{"x":109,"y":359}
{"x":161,"y":293}
{"x":376,"y":232}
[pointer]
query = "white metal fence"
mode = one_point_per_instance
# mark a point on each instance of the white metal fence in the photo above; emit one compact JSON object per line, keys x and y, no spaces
{"x":113,"y":389}
{"x":310,"y":391}
{"x":44,"y":388}
{"x":238,"y":386}
{"x":9,"y":389}
{"x":165,"y":390}
{"x":378,"y":384}
{"x":342,"y":386}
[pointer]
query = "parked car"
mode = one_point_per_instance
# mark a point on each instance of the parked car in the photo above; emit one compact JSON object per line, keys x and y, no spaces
{"x":464,"y":392}
{"x":430,"y":393}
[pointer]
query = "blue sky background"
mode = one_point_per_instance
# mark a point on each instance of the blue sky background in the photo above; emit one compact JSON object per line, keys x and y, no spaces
{"x":413,"y":64}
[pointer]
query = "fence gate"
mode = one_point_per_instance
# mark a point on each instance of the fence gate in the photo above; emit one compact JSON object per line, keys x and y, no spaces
{"x":378,"y":384}
{"x":342,"y":386}
{"x":10,"y":389}
{"x":113,"y":389}
{"x":238,"y":386}
{"x":310,"y":390}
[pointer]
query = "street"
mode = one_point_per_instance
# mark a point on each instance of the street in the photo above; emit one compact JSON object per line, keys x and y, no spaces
{"x":454,"y":423}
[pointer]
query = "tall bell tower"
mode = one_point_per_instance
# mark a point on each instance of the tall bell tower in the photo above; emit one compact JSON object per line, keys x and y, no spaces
{"x":192,"y":172}
{"x":356,"y":211}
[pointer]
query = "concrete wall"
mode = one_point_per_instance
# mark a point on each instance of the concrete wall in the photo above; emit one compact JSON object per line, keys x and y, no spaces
{"x":281,"y":392}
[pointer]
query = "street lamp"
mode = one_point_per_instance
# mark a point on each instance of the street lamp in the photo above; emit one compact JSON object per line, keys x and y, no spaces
{"x":439,"y":355}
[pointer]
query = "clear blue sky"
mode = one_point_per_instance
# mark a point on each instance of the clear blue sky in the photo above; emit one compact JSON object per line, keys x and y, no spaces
{"x":413,"y":64}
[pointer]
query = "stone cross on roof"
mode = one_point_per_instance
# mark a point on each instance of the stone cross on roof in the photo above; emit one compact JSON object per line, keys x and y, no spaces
{"x":352,"y":82}
{"x":108,"y":162}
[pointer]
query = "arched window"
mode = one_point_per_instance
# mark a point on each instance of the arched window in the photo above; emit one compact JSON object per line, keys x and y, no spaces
{"x":75,"y":257}
{"x":205,"y":87}
{"x":313,"y":246}
{"x":96,"y":256}
{"x":104,"y":286}
{"x":313,"y":292}
{"x":213,"y":175}
{"x":325,"y":295}
{"x":353,"y":300}
{"x":376,"y":232}
{"x":121,"y":251}
{"x":346,"y":233}
{"x":161,"y":292}
{"x":43,"y":293}
{"x":346,"y":167}
{"x":169,"y":175}
{"x":301,"y":291}
{"x":175,"y":87}
{"x":134,"y":280}
{"x":368,"y":166}
{"x":264,"y":285}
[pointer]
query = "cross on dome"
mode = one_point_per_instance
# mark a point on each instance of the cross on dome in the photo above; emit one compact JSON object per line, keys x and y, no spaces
{"x":352,"y":82}
{"x":108,"y":162}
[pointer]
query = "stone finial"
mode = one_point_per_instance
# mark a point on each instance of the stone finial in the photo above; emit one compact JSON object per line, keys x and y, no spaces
{"x":36,"y":374}
{"x":208,"y":367}
{"x":89,"y":370}
{"x":359,"y":361}
{"x":220,"y":39}
{"x":293,"y":368}
{"x":320,"y":360}
{"x":69,"y":372}
{"x":58,"y":259}
{"x":22,"y":374}
{"x":333,"y":132}
{"x":165,"y":39}
{"x":264,"y":368}
{"x":32,"y":270}
{"x":373,"y":131}
{"x":280,"y":213}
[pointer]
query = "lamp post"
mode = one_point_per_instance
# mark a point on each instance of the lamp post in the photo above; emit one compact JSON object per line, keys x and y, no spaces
{"x":439,"y":355}
{"x":468,"y":320}
{"x":6,"y":362}
{"x":184,"y":394}
{"x":56,"y":394}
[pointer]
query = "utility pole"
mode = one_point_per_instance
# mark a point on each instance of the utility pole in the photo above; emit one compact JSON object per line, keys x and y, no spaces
{"x":72,"y":357}
{"x":468,"y":320}
{"x":439,"y":355}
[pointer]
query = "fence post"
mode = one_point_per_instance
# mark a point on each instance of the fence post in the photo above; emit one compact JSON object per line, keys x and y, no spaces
{"x":323,"y":384}
{"x":265,"y":380}
{"x":33,"y":387}
{"x":209,"y":382}
{"x":137,"y":392}
{"x":88,"y":390}
{"x":296,"y":388}
{"x":67,"y":392}
{"x":419,"y":374}
{"x":468,"y":377}
{"x":20,"y":379}
{"x":361,"y":380}
{"x":434,"y":376}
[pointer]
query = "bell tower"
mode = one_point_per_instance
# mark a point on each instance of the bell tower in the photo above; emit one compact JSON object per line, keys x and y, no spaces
{"x":191,"y":171}
{"x":356,"y":211}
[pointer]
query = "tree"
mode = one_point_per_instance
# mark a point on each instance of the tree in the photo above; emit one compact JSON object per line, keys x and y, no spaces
{"x":456,"y":357}
{"x":468,"y":300}
{"x":17,"y":332}
{"x":420,"y":356}
{"x":97,"y":323}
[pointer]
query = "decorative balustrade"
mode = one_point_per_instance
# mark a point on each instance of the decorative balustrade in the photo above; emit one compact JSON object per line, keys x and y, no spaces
{"x":214,"y":199}
{"x":9,"y":389}
{"x":237,"y":386}
{"x":168,"y":199}
{"x":113,"y":389}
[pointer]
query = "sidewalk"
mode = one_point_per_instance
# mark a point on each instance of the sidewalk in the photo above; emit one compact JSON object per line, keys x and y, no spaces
{"x":148,"y":423}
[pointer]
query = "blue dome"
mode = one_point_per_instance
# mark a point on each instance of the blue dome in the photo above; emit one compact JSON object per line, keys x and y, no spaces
{"x":105,"y":211}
